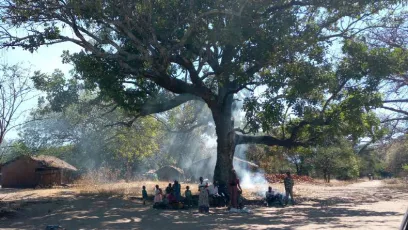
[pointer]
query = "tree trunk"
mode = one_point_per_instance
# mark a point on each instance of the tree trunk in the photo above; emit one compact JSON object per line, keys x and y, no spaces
{"x":128,"y":175}
{"x":224,"y":127}
{"x":298,"y":170}
{"x":328,"y":177}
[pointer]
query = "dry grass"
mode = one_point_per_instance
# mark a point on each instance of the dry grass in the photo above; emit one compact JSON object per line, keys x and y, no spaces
{"x":125,"y":189}
{"x":396,"y":183}
{"x":97,"y":185}
{"x":134,"y":189}
{"x":393,"y":181}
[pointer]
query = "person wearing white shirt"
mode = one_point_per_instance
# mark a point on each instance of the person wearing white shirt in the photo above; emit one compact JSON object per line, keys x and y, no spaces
{"x":269,"y":193}
{"x":215,"y":196}
{"x":203,"y":197}
{"x":213,"y":189}
{"x":202,"y":184}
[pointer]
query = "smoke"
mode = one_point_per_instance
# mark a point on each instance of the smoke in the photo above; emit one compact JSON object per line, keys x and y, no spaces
{"x":249,"y":178}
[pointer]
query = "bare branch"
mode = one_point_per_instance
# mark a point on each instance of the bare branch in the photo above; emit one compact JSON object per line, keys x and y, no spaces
{"x":14,"y":91}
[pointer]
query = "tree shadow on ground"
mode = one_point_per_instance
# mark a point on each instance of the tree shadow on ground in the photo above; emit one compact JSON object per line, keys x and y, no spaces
{"x":98,"y":212}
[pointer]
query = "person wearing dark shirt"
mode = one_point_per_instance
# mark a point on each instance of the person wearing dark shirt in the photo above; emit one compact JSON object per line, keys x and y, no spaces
{"x":289,"y":183}
{"x":176,"y":190}
{"x":168,"y":189}
{"x":189,"y":197}
{"x":144,"y":195}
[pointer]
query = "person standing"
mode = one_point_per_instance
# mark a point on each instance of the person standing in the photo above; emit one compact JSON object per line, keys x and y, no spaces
{"x":288,"y":182}
{"x":189,"y":197}
{"x":234,"y":189}
{"x":144,"y":195}
{"x":203,"y":201}
{"x":177,"y":190}
{"x":201,"y":184}
{"x":168,"y":189}
{"x":157,"y":195}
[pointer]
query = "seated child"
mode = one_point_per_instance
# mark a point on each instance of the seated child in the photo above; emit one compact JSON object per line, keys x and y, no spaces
{"x":172,"y":198}
{"x":173,"y":203}
{"x":215,"y":197}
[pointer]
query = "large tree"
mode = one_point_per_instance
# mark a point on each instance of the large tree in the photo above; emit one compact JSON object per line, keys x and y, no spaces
{"x":151,"y":56}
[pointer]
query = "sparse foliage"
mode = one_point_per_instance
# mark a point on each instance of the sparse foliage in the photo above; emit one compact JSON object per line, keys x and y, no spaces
{"x":15,"y":88}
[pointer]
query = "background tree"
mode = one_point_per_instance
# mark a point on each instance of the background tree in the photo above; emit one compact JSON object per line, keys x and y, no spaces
{"x":396,"y":156}
{"x":336,"y":159}
{"x":271,"y":159}
{"x":15,"y":89}
{"x":76,"y":125}
{"x":135,"y":143}
{"x":151,"y":56}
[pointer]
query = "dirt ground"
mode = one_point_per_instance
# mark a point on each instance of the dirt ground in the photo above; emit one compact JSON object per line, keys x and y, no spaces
{"x":362,"y":205}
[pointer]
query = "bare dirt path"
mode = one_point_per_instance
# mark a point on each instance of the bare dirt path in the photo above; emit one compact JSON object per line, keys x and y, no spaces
{"x":364,"y":205}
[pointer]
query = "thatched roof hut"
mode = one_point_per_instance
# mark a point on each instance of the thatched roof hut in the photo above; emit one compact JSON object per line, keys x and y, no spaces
{"x":33,"y":171}
{"x":53,"y":162}
{"x":169,"y":173}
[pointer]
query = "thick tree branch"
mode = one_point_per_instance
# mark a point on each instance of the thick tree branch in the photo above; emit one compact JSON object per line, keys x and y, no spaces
{"x":395,"y":101}
{"x":240,"y":87}
{"x":395,"y":110}
{"x":266,"y":140}
{"x":285,"y":6}
{"x":341,"y":86}
{"x":195,"y":79}
{"x":153,"y":107}
{"x":242,"y":131}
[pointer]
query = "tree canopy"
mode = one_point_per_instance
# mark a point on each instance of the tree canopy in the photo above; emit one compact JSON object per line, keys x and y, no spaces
{"x":152,"y":56}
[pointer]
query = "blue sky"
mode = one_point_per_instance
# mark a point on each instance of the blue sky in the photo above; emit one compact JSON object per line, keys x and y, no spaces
{"x":46,"y":60}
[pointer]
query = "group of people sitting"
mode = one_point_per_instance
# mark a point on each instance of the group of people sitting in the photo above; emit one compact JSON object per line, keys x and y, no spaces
{"x":209,"y":195}
{"x":213,"y":195}
{"x":171,"y":198}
